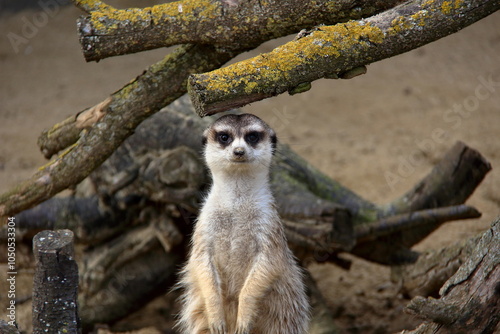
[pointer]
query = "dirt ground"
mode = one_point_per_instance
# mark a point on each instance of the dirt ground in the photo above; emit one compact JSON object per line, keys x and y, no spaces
{"x":374,"y":133}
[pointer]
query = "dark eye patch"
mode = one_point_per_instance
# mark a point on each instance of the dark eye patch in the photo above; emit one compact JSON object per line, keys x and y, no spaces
{"x":253,"y":137}
{"x":224,"y":138}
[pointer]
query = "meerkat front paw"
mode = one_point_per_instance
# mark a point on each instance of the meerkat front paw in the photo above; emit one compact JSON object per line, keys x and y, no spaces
{"x":218,"y":328}
{"x":242,"y":331}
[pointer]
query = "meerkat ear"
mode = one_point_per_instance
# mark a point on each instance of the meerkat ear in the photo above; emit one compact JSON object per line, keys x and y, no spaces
{"x":274,"y":142}
{"x":204,"y":138}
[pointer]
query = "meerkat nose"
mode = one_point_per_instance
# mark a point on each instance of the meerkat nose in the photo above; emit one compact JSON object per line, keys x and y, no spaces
{"x":239,"y":151}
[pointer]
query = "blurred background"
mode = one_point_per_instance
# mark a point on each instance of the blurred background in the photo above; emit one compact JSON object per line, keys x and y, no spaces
{"x":374,"y":133}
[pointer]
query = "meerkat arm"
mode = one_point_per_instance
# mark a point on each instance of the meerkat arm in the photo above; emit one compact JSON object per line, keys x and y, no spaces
{"x":209,"y":284}
{"x":260,"y":278}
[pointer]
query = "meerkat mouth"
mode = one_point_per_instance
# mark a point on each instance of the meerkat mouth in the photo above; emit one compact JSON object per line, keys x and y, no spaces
{"x":240,"y":160}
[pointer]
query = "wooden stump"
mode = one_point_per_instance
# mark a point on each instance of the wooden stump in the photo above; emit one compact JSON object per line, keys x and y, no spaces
{"x":55,"y":283}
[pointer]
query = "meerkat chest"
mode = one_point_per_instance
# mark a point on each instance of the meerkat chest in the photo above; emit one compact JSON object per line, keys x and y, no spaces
{"x":235,"y":235}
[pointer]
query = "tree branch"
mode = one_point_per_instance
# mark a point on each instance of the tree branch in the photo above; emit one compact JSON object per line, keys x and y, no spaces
{"x":66,"y":133}
{"x":247,"y":23}
{"x":136,"y":101}
{"x":331,"y":50}
{"x":447,"y":184}
{"x":411,"y":220}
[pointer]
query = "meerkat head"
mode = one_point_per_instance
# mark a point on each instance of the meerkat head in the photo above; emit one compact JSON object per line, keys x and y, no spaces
{"x":238,"y":143}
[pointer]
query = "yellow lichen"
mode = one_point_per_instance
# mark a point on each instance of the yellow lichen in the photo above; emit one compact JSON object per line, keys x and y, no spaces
{"x":419,"y":17}
{"x":428,"y":3}
{"x":399,"y":24}
{"x":108,"y":19}
{"x":446,"y":7}
{"x":278,"y":65}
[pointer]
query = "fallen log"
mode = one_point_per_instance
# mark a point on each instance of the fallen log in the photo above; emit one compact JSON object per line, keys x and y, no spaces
{"x":470,"y":299}
{"x":432,"y":269}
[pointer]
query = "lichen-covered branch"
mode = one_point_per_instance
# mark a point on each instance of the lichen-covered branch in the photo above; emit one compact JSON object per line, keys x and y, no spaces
{"x":158,"y":86}
{"x":229,"y":24}
{"x":331,"y":50}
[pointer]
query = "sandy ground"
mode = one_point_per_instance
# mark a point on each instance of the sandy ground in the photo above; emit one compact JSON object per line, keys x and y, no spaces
{"x":374,"y":133}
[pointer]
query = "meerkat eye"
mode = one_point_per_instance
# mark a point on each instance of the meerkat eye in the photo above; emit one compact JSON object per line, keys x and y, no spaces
{"x":252,"y":137}
{"x":224,"y":138}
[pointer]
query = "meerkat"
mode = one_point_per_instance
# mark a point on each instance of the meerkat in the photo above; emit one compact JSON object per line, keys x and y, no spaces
{"x":241,"y":277}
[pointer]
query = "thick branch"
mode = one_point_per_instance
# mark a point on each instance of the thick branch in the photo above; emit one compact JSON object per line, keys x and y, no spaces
{"x":451,"y":181}
{"x":158,"y":86}
{"x":331,"y":50}
{"x":411,"y":220}
{"x":237,"y":24}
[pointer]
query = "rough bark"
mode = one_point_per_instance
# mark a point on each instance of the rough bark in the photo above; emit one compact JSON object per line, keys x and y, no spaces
{"x":411,"y":220}
{"x":66,"y":133}
{"x":5,"y":328}
{"x":328,"y":51}
{"x":158,"y":86}
{"x":432,"y":269}
{"x":91,"y":221}
{"x":121,"y":276}
{"x":470,"y":299}
{"x":55,"y":283}
{"x":229,"y":24}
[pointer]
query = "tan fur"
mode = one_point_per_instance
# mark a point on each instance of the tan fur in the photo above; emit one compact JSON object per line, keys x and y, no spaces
{"x":241,"y":277}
